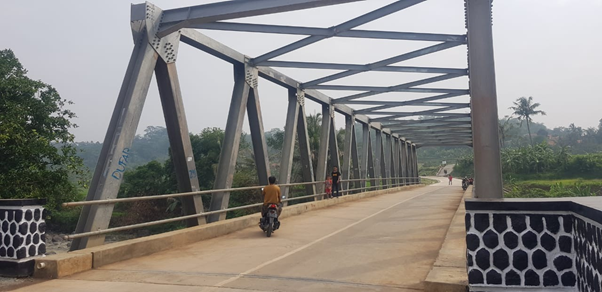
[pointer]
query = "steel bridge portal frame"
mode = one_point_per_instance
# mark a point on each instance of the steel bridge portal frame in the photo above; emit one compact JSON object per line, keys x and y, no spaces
{"x":157,"y":34}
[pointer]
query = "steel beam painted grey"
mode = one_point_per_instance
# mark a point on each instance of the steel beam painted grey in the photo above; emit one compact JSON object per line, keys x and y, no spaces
{"x":400,"y":86}
{"x":404,"y":161}
{"x":383,"y":63}
{"x":305,"y":150}
{"x":486,"y":146}
{"x":428,"y":121}
{"x":336,"y":66}
{"x":175,"y":19}
{"x":288,"y":147}
{"x":388,"y":158}
{"x":396,"y":157}
{"x":219,"y":50}
{"x":365,"y":152}
{"x":179,"y":139}
{"x":334,"y":146}
{"x":260,"y":148}
{"x":373,"y":15}
{"x":326,"y":32}
{"x":386,"y":89}
{"x":408,"y":102}
{"x":355,"y":161}
{"x":371,"y":160}
{"x":394,"y":118}
{"x":415,"y":161}
{"x":229,"y":153}
{"x":349,"y":134}
{"x":114,"y":156}
{"x":321,"y":169}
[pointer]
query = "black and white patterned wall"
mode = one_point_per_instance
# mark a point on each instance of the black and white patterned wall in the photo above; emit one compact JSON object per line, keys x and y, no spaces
{"x":588,"y":248}
{"x":22,"y":237}
{"x":520,"y":250}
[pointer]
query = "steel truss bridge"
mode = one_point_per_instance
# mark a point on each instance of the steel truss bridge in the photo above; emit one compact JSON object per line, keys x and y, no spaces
{"x":389,"y":138}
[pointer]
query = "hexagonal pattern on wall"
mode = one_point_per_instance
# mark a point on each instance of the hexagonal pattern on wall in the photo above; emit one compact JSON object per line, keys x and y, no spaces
{"x":587,"y":241}
{"x":23,"y":232}
{"x":520,"y":250}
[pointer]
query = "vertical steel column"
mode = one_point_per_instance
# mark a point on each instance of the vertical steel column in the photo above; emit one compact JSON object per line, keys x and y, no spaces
{"x":410,"y":161}
{"x":333,"y":144}
{"x":415,"y":164}
{"x":260,"y":147}
{"x":113,"y":159}
{"x":179,"y":139}
{"x":321,"y":170}
{"x":388,"y":160}
{"x":349,"y":134}
{"x":404,"y":162}
{"x":365,"y":151}
{"x":371,"y":170}
{"x":304,"y":148}
{"x":288,"y":147}
{"x":231,"y":143}
{"x":393,"y":164}
{"x":481,"y":68}
{"x":395,"y":159}
{"x":355,"y":160}
{"x":402,"y":170}
{"x":379,"y":171}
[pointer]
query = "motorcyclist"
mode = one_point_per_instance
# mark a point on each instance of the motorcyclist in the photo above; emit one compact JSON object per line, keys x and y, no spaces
{"x":464,"y":182}
{"x":271,"y":195}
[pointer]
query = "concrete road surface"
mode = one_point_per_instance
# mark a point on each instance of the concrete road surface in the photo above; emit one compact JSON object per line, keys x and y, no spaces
{"x":384,"y":243}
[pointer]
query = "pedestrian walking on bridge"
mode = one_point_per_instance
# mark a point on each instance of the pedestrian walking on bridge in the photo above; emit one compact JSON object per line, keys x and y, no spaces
{"x":450,"y":179}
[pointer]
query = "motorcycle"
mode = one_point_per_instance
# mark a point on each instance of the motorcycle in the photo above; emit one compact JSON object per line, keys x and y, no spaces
{"x":269,"y":223}
{"x":464,"y":184}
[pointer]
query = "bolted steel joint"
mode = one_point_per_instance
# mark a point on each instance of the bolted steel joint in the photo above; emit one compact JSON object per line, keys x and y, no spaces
{"x":301,"y":97}
{"x":251,"y":75}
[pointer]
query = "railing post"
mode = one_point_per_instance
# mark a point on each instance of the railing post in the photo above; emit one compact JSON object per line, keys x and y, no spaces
{"x":481,"y":68}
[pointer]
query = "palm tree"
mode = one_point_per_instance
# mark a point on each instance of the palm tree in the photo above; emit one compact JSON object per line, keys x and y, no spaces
{"x":524,"y":109}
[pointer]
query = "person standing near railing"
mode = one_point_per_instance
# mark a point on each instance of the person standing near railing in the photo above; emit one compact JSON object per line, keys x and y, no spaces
{"x":328,"y":187}
{"x":336,"y":182}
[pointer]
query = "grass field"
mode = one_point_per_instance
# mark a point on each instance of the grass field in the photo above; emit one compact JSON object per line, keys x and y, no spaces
{"x":554,"y":188}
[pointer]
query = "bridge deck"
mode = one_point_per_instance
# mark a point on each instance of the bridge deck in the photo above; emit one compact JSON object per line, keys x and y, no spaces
{"x":385,"y":243}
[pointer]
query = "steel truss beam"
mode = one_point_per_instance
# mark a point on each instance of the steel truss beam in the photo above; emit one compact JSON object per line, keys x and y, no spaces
{"x":383,"y":63}
{"x":381,"y":89}
{"x":376,"y":14}
{"x":443,"y":144}
{"x":417,"y":101}
{"x":179,"y":139}
{"x":394,"y":117}
{"x":396,"y":88}
{"x":421,"y":113}
{"x":428,"y":121}
{"x":328,"y":32}
{"x":114,"y":156}
{"x":334,"y":66}
{"x":174,"y":19}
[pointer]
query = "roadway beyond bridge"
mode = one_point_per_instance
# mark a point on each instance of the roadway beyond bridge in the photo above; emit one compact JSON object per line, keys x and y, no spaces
{"x":383,"y":243}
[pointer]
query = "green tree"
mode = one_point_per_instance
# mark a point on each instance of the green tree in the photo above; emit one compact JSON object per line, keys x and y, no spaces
{"x":525,"y":109}
{"x":37,"y":156}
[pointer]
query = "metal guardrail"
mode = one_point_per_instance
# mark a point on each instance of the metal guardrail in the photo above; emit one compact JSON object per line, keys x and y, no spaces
{"x":401,"y":181}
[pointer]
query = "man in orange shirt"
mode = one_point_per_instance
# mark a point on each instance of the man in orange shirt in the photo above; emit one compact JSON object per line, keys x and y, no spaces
{"x":271,"y":195}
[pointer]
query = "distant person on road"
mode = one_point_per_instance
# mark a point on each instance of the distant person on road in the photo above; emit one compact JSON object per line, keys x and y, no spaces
{"x":328,"y":187}
{"x":445,"y":171}
{"x":470,"y":181}
{"x":271,"y":195}
{"x":336,"y":182}
{"x":450,"y":179}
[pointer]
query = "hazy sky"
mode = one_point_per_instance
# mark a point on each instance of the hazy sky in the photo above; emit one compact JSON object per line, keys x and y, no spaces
{"x":548,"y":49}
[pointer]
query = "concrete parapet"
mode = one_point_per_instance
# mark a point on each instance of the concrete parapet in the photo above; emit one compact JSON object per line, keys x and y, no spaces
{"x":448,"y":273}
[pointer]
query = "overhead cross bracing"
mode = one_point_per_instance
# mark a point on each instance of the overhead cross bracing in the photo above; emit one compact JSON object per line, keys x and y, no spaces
{"x":379,"y":104}
{"x":394,"y":118}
